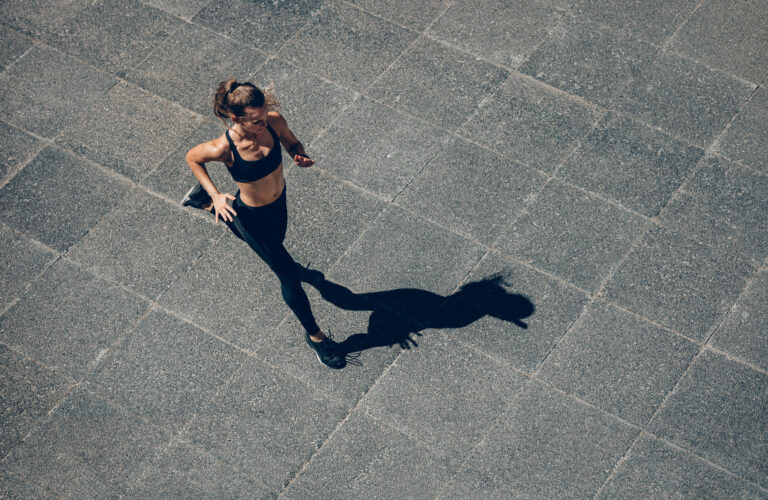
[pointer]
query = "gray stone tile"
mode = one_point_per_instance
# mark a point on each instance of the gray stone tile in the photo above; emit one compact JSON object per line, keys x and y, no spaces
{"x":124,"y":142}
{"x":573,"y":235}
{"x":164,"y":378}
{"x":27,"y":391}
{"x":667,"y":273}
{"x":411,"y":262}
{"x":471,"y":190}
{"x":185,"y":472}
{"x":251,"y":305}
{"x":58,"y":198}
{"x":414,"y":14}
{"x":145,"y":244}
{"x":620,"y":156}
{"x":16,"y":149}
{"x":13,"y":46}
{"x":724,"y":206}
{"x":20,"y":263}
{"x":45,"y":90}
{"x":369,"y":333}
{"x":265,"y":25}
{"x":746,"y":140}
{"x":325,"y":217}
{"x":115,"y":35}
{"x":728,"y":35}
{"x":500,"y":32}
{"x":429,"y":75}
{"x":654,"y":22}
{"x":374,"y":462}
{"x":718,"y":412}
{"x":188,"y":67}
{"x":684,"y":97}
{"x":99,"y":449}
{"x":378,"y":148}
{"x":743,"y":332}
{"x":531,"y":123}
{"x":39,"y":17}
{"x":443,"y":394}
{"x":547,"y":445}
{"x":588,"y":60}
{"x":13,"y":487}
{"x":618,"y":362}
{"x":186,"y":9}
{"x":510,"y":312}
{"x":173,"y":178}
{"x":308,"y":103}
{"x":69,"y":318}
{"x":266,"y":422}
{"x":656,"y":470}
{"x":347,"y":46}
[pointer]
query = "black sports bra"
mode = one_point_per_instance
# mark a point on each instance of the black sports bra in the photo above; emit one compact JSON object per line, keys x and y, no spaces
{"x":249,"y":171}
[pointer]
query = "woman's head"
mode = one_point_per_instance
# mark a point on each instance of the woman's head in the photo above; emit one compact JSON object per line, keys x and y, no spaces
{"x":235,"y":101}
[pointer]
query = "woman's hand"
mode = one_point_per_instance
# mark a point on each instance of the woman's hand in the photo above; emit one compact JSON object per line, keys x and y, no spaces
{"x":303,"y":161}
{"x":221,"y":207}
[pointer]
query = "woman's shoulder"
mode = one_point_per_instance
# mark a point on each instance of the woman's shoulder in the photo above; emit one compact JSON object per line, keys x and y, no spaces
{"x":275,"y":120}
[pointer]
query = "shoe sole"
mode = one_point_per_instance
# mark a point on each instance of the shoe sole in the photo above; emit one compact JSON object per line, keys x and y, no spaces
{"x":188,"y":197}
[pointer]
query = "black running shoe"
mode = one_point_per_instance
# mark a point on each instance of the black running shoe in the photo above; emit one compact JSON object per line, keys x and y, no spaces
{"x":328,"y":352}
{"x":197,"y":197}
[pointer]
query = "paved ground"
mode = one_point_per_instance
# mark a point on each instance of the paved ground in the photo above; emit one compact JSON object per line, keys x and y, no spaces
{"x":559,"y":206}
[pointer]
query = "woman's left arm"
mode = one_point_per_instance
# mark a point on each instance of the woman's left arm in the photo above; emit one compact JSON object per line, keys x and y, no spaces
{"x":289,"y":141}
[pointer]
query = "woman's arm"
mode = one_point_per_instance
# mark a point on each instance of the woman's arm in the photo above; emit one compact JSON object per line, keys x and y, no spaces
{"x":197,"y":157}
{"x":289,"y":141}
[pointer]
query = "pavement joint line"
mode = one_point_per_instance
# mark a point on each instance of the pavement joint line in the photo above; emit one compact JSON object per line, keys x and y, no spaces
{"x":462,"y":463}
{"x":649,"y":224}
{"x":35,"y":43}
{"x":157,"y":47}
{"x":668,"y":41}
{"x":735,"y":359}
{"x":618,"y":465}
{"x":557,"y":342}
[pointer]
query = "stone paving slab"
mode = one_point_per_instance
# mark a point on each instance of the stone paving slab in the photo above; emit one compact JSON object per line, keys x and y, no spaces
{"x":372,"y":461}
{"x":682,"y":275}
{"x":563,"y":365}
{"x":588,"y":60}
{"x":618,"y":362}
{"x":745,"y":139}
{"x":90,"y":315}
{"x":743,"y":331}
{"x":253,"y":424}
{"x":123,"y":144}
{"x":531,"y":123}
{"x":654,"y":469}
{"x":346,"y":45}
{"x":21,"y":262}
{"x":718,"y":411}
{"x":102,"y":448}
{"x":28,"y":392}
{"x":180,"y":60}
{"x":377,"y":147}
{"x":55,"y":212}
{"x":724,"y":206}
{"x":582,"y":248}
{"x":142,"y":250}
{"x":164,"y":370}
{"x":620,"y":155}
{"x":45,"y":90}
{"x":728,"y":35}
{"x":517,"y":28}
{"x":545,"y":445}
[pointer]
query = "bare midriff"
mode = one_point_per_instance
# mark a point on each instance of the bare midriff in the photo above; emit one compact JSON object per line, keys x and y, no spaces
{"x":263,"y":191}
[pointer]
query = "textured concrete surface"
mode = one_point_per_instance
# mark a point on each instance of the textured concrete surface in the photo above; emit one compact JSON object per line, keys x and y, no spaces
{"x":538,"y":227}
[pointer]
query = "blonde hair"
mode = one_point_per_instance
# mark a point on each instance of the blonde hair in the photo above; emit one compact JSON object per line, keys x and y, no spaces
{"x":232,"y":98}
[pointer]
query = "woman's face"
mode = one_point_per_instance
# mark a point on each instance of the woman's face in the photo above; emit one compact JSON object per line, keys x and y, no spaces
{"x":253,"y":120}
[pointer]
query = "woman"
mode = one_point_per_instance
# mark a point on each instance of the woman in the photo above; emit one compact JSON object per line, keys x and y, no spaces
{"x":251,"y":151}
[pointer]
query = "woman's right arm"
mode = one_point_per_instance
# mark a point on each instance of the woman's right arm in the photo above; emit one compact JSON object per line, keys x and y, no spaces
{"x":196,"y":158}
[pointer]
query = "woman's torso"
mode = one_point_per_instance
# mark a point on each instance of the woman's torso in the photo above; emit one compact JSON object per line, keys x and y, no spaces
{"x":246,"y":159}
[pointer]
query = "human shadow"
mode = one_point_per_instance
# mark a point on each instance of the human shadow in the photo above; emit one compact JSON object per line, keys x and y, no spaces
{"x":401,"y":314}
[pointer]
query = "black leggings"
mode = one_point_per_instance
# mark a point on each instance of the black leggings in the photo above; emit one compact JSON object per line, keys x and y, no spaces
{"x":263,"y":228}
